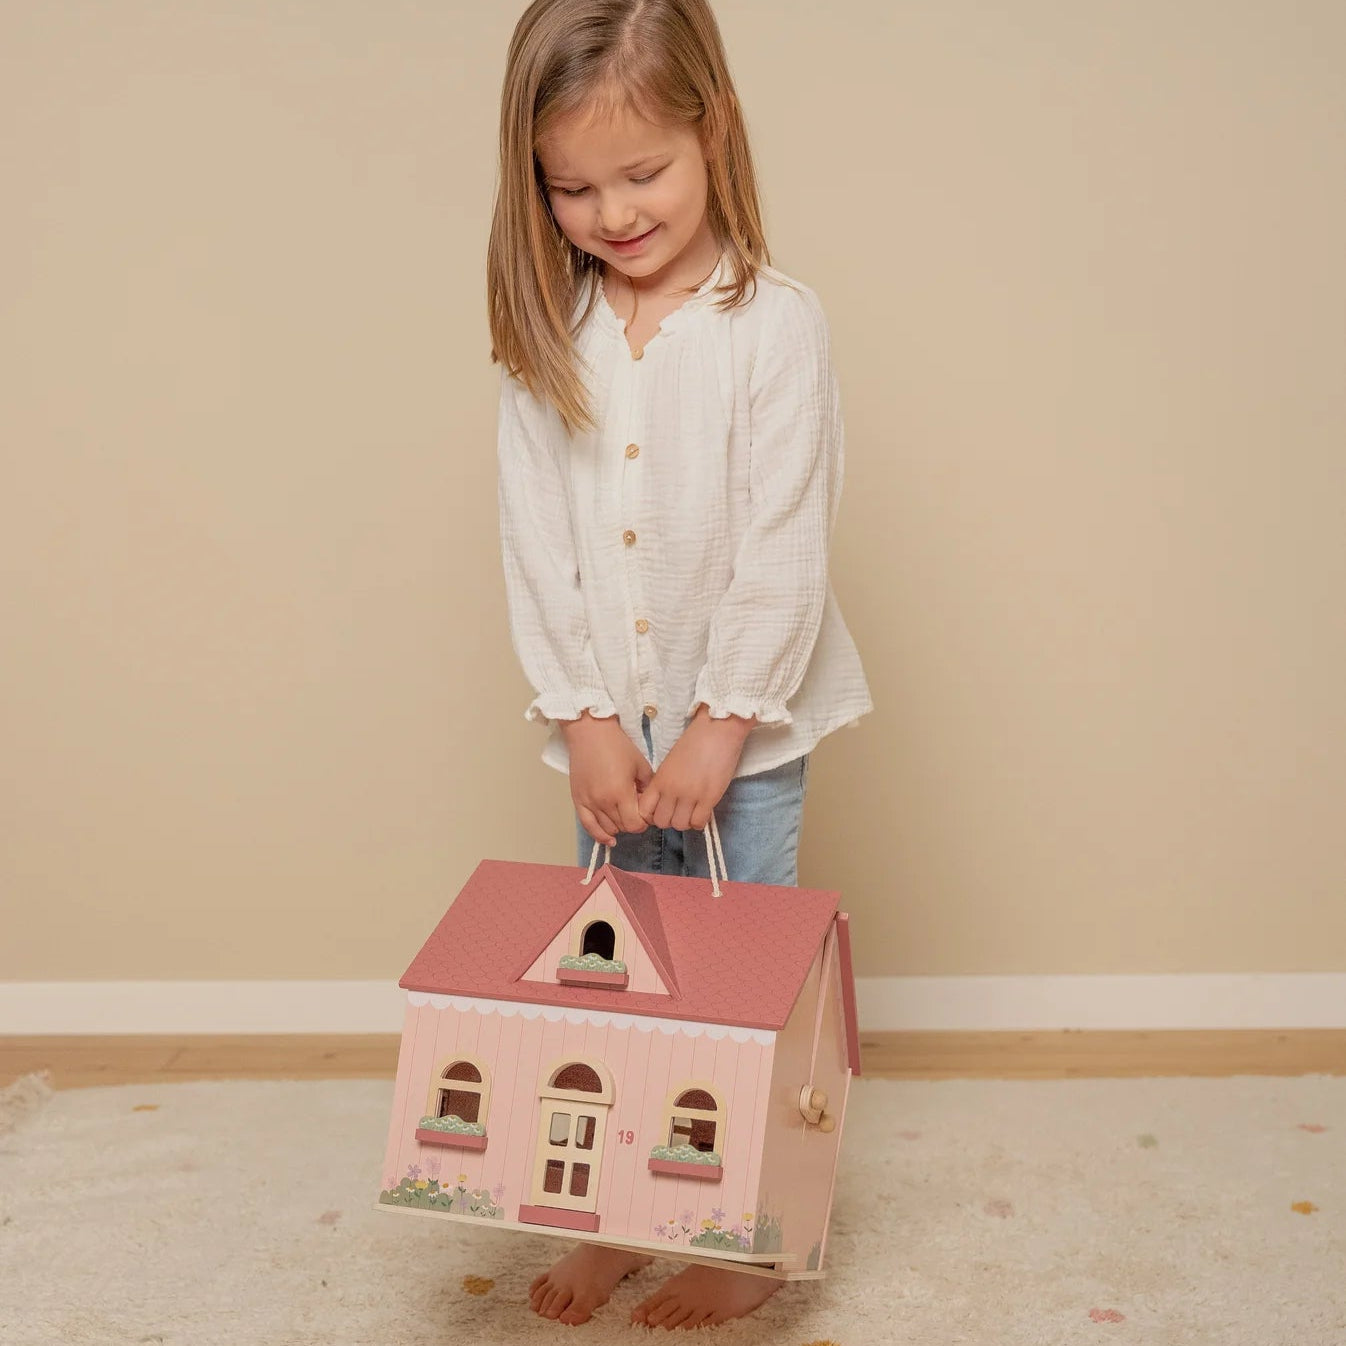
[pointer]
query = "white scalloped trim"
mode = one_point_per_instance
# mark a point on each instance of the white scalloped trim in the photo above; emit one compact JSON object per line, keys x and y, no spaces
{"x":642,"y":1023}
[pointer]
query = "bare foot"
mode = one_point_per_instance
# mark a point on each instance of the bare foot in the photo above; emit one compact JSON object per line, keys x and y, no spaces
{"x":582,"y":1280}
{"x":703,"y":1296}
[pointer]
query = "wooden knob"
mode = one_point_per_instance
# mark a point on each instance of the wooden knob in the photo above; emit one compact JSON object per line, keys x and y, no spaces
{"x":817,"y":1100}
{"x":827,"y":1123}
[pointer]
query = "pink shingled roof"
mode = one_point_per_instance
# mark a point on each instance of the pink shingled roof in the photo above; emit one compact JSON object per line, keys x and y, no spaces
{"x":739,"y":959}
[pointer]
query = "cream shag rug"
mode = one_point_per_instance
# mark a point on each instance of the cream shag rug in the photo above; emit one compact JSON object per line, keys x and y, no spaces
{"x":989,"y":1212}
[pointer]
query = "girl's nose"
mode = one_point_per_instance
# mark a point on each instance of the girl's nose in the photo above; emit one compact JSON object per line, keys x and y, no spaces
{"x":616,"y":221}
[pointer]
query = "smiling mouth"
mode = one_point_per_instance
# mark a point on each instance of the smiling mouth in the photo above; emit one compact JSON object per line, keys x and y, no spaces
{"x":622,"y":242}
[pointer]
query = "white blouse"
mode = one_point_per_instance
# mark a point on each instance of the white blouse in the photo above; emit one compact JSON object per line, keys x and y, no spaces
{"x":678,"y":553}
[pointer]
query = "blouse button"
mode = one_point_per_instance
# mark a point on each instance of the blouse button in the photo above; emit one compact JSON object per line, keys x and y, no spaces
{"x":633,"y":450}
{"x":651,"y":711}
{"x":642,"y":626}
{"x":638,"y":353}
{"x":629,"y":538}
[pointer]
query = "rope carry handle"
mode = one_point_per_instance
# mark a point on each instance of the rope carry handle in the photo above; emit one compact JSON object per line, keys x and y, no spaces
{"x":714,"y":855}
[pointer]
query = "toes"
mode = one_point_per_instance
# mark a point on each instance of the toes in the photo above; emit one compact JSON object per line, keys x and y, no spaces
{"x":660,"y":1316}
{"x":574,"y":1314}
{"x":557,"y":1299}
{"x":679,"y":1317}
{"x":642,"y":1311}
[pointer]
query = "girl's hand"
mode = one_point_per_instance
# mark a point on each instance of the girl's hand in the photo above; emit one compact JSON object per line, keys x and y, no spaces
{"x":607,"y":771}
{"x":696,"y":772}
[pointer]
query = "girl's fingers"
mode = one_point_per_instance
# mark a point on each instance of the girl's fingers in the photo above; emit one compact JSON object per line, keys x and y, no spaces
{"x":610,"y":825}
{"x":682,"y":815}
{"x":630,"y":814}
{"x":647,"y":801}
{"x":700,"y":817}
{"x":663,"y":814}
{"x":594,"y":828}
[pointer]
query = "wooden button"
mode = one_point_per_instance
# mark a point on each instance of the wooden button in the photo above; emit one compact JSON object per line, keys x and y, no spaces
{"x":642,"y":625}
{"x":638,"y":353}
{"x":629,"y":538}
{"x":651,"y":711}
{"x":633,"y":450}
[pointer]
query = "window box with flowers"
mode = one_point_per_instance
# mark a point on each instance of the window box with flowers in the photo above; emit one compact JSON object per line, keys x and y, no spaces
{"x":451,"y":1131}
{"x":682,"y":1161}
{"x":591,"y":969}
{"x":694,"y":1116}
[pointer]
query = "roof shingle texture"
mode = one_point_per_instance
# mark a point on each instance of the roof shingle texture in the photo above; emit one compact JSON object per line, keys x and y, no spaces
{"x":739,"y":959}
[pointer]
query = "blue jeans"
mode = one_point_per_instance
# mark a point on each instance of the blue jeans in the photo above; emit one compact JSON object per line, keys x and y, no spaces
{"x":758,"y":819}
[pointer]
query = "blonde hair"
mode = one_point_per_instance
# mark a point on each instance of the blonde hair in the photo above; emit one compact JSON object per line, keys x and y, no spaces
{"x":665,"y":61}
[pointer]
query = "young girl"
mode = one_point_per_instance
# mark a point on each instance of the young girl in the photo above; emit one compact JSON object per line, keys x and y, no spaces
{"x":670,"y":454}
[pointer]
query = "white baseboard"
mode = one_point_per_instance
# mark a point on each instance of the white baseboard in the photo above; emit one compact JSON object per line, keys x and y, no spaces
{"x":1212,"y":1001}
{"x":1203,"y":1000}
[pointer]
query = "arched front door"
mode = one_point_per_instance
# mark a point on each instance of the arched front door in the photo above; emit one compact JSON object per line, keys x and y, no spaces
{"x":575,"y":1098}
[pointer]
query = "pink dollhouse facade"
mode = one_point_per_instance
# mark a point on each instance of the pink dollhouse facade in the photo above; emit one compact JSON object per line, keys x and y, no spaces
{"x":630,"y":1060}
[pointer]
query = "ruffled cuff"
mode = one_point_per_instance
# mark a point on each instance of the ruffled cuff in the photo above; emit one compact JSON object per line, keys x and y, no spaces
{"x":558,"y":706}
{"x":722,"y":706}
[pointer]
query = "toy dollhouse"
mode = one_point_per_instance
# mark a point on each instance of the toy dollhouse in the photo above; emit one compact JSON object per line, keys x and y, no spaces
{"x":632,"y":1059}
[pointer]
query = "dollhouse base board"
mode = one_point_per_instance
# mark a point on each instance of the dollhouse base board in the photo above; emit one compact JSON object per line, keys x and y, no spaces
{"x":774,"y":1265}
{"x":768,"y":1269}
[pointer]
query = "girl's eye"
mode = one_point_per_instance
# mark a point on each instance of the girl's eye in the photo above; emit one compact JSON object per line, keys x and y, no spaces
{"x":579,"y":191}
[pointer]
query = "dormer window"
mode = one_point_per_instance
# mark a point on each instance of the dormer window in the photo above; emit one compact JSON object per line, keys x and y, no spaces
{"x":595,"y":956}
{"x":599,"y":937}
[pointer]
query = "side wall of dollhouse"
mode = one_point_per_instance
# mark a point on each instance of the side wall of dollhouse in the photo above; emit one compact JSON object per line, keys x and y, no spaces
{"x":650,"y":1066}
{"x":799,"y":1161}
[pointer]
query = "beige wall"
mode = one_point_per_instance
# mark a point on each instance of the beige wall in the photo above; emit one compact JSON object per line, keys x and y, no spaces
{"x":1084,"y":271}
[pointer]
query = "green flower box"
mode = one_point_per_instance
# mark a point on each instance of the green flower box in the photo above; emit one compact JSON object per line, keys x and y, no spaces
{"x":452,"y":1131}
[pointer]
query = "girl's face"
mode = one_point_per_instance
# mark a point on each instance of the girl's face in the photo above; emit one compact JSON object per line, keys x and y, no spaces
{"x":624,"y":178}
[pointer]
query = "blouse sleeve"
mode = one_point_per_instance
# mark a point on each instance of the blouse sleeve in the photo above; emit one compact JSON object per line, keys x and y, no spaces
{"x":548,"y":624}
{"x":765,"y":626}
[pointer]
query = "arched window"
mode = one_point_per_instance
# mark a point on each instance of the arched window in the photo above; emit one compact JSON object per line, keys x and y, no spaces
{"x":463,"y":1091}
{"x":694,"y":1120}
{"x":692,"y":1144}
{"x":600,"y":938}
{"x":597,"y":932}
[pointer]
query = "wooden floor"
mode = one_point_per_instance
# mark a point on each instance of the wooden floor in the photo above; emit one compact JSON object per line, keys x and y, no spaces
{"x":78,"y":1062}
